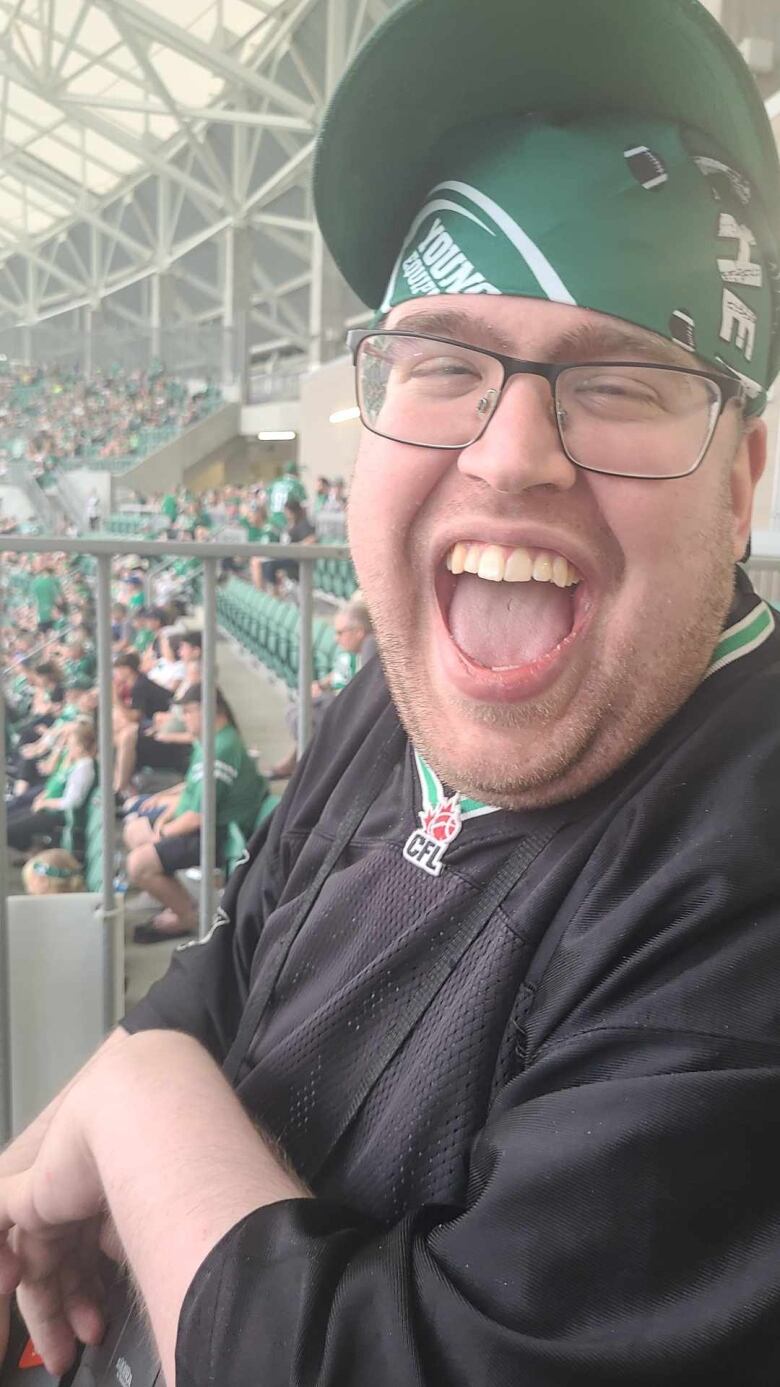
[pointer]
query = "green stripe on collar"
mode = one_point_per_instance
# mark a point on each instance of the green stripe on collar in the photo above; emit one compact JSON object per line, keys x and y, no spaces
{"x":742,"y":638}
{"x":433,"y":792}
{"x":736,"y":641}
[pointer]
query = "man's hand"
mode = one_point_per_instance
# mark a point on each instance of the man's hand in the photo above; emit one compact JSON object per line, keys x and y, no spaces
{"x":152,"y":1132}
{"x":19,"y":1157}
{"x":54,"y":1212}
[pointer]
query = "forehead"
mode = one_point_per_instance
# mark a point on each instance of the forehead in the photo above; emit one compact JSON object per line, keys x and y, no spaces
{"x":536,"y":329}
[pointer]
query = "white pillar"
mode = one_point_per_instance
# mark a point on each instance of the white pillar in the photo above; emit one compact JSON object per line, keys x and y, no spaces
{"x":162,"y":313}
{"x":236,"y":279}
{"x":327,"y":302}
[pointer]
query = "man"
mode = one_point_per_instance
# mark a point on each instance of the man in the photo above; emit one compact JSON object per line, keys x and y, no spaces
{"x":353,"y":632}
{"x":93,"y":510}
{"x":136,"y":700}
{"x":298,"y":529}
{"x":285,"y":488}
{"x":46,"y":593}
{"x":499,"y":979}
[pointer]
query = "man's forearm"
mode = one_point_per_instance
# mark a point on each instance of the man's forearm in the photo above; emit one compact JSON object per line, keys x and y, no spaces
{"x":188,"y":822}
{"x":180,"y":1163}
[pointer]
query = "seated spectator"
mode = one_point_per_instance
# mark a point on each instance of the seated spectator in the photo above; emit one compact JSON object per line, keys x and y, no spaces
{"x":298,"y":530}
{"x":190,"y":645}
{"x":259,"y":530}
{"x":48,"y":694}
{"x":121,"y":627}
{"x":167,"y":669}
{"x":136,"y":700}
{"x":158,"y":850}
{"x":53,"y":872}
{"x":79,"y":660}
{"x":354,"y":633}
{"x":146,"y":623}
{"x":331,"y":517}
{"x":321,"y":492}
{"x":46,"y":816}
{"x":31,"y":762}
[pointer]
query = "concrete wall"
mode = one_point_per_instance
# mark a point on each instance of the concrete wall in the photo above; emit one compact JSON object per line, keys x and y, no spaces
{"x":14,"y":502}
{"x":166,"y":467}
{"x":285,"y":414}
{"x":79,"y":487}
{"x":328,"y":449}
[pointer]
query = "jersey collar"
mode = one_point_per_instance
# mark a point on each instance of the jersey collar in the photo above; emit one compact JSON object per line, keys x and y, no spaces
{"x":742,"y":638}
{"x":434,"y":794}
{"x":739,"y":639}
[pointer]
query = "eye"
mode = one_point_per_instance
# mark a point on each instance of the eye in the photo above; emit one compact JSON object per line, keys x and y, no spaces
{"x":445,"y":366}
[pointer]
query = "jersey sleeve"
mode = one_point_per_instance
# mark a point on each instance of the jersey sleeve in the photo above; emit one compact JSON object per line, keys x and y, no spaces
{"x":618,"y":1230}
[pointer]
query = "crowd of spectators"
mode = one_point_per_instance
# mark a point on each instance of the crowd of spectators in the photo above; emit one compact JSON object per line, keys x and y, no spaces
{"x":50,"y":416}
{"x":47,"y":630}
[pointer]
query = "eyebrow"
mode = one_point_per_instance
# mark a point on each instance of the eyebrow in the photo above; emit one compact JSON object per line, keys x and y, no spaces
{"x":451,"y":322}
{"x":593,"y":340}
{"x":588,"y":340}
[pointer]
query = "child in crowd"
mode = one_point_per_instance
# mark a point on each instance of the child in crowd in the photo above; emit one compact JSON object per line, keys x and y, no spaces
{"x":53,"y":872}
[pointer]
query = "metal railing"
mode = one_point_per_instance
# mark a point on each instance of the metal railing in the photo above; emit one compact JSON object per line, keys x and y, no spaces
{"x":104,"y":550}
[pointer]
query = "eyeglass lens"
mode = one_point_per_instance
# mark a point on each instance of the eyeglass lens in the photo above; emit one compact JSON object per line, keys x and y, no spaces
{"x":634,"y":420}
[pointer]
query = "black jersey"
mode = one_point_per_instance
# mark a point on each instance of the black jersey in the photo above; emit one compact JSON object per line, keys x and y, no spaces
{"x":531,"y":1073}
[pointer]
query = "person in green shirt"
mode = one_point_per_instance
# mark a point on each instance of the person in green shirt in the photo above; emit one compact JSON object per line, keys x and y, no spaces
{"x":259,"y":530}
{"x":284,"y":489}
{"x":170,"y":507}
{"x":168,"y":840}
{"x":46,"y":594}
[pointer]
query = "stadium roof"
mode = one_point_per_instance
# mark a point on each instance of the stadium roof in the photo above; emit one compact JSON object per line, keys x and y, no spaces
{"x":90,"y":89}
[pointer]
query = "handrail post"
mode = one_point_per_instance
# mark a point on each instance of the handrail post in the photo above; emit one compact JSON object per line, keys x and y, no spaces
{"x":208,"y":808}
{"x":106,"y":782}
{"x":305,"y":660}
{"x":5,"y":958}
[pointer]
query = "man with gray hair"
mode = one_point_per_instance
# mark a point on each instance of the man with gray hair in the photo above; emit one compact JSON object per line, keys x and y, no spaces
{"x":353,"y":631}
{"x":500,"y":977}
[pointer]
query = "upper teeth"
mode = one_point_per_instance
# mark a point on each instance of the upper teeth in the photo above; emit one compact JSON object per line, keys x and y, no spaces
{"x":500,"y":565}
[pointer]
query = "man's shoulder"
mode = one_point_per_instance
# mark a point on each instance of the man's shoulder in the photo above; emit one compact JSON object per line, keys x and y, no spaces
{"x":345,"y":745}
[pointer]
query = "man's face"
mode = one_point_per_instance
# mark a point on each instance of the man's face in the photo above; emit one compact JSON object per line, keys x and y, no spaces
{"x":349,"y":636}
{"x":192,"y":719}
{"x":596,"y":668}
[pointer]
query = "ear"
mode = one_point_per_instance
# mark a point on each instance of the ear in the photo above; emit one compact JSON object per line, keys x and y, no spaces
{"x":746,"y":472}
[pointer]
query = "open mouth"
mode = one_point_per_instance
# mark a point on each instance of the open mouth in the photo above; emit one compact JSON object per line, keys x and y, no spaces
{"x":511,"y":616}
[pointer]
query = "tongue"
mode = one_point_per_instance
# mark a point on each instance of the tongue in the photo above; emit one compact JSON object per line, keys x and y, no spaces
{"x":503,"y":625}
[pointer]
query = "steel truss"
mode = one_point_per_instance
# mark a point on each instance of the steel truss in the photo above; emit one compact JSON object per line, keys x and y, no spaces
{"x":156,"y":176}
{"x":137,"y":207}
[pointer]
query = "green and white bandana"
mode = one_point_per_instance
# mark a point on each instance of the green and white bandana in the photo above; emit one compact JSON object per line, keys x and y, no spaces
{"x":628,"y":216}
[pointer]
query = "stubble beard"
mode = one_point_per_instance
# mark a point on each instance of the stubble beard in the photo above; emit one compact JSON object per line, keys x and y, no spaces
{"x":626,"y":700}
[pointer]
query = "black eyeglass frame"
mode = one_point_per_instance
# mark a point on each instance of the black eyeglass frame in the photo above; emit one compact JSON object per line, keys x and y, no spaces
{"x":728,"y":386}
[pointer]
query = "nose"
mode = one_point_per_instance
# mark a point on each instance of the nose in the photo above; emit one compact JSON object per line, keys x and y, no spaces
{"x":521,"y":446}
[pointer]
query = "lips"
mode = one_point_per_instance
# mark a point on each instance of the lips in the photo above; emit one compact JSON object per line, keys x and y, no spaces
{"x":508,"y":618}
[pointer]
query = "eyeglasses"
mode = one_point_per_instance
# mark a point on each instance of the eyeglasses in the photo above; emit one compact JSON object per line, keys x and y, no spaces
{"x":623,"y":418}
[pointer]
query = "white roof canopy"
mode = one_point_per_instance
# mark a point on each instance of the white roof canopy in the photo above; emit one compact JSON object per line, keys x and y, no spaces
{"x":89,"y":88}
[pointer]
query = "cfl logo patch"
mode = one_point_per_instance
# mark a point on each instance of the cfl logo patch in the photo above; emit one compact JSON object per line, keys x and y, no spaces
{"x":439,"y":827}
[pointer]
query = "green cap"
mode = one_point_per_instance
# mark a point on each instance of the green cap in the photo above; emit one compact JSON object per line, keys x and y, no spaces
{"x":437,"y":66}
